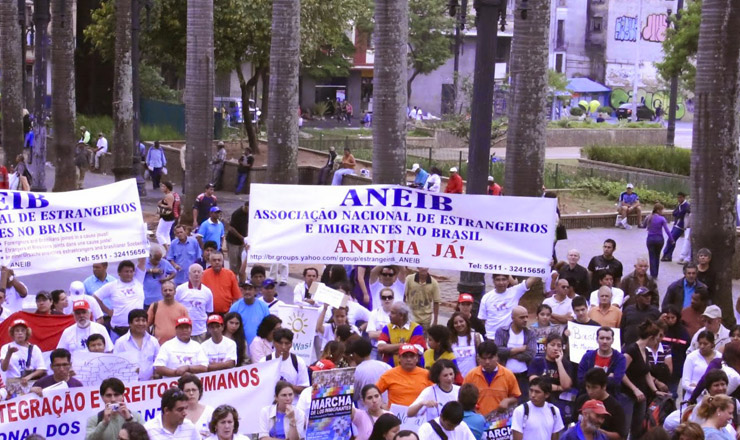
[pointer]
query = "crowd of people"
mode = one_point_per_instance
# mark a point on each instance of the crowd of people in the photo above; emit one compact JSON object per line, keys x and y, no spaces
{"x":490,"y":371}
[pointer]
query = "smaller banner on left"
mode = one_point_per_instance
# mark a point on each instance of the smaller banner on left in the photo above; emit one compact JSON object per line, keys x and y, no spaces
{"x":45,"y":232}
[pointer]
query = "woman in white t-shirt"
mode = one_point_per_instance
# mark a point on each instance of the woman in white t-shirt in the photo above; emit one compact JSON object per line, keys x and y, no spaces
{"x":433,"y":398}
{"x":197,"y":413}
{"x":464,"y":343}
{"x":20,"y":358}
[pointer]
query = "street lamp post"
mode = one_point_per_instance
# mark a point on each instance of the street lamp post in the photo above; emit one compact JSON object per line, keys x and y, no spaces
{"x":459,"y":27}
{"x":672,"y":106}
{"x":488,"y":13}
{"x":41,"y":17}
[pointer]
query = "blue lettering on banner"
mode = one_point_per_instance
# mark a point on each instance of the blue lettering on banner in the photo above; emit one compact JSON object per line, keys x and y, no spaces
{"x":401,"y":198}
{"x":63,"y":429}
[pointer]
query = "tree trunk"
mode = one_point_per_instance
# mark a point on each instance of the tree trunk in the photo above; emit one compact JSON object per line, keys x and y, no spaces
{"x":11,"y":88}
{"x":408,"y":84}
{"x":265,"y":77}
{"x":123,"y":99}
{"x":714,"y":153}
{"x":389,"y":91}
{"x":40,"y":111}
{"x":199,"y":86}
{"x":525,"y":141}
{"x":63,"y":93}
{"x":282,"y":121}
{"x":246,"y":89}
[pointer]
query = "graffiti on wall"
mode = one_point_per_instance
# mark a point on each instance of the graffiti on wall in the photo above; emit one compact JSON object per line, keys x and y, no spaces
{"x":653,"y":100}
{"x":625,"y":29}
{"x":655,"y":27}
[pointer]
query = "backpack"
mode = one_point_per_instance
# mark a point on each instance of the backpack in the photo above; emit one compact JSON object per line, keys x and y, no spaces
{"x":526,"y":413}
{"x":660,"y":407}
{"x":293,"y":360}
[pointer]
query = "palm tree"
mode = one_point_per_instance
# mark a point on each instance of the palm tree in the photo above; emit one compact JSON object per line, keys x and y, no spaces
{"x":12,"y":80}
{"x":714,"y":152}
{"x":41,"y":19}
{"x":389,"y":91}
{"x":525,"y":143}
{"x":123,"y":99}
{"x":282,"y":121}
{"x":199,"y":71}
{"x":63,"y":92}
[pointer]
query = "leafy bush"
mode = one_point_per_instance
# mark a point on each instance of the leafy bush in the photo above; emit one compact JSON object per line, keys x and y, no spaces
{"x":320,"y":109}
{"x":104,"y":124}
{"x":605,"y":109}
{"x":576,"y":111}
{"x":658,"y":158}
{"x":612,"y":190}
{"x":420,"y":132}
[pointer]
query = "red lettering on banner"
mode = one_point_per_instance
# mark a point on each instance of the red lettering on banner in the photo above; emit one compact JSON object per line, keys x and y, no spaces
{"x":79,"y":401}
{"x":221,"y":382}
{"x":255,"y":376}
{"x":95,"y":399}
{"x":243,"y":378}
{"x":377,"y":247}
{"x":22,"y":413}
{"x":35,"y":409}
{"x":12,"y":417}
{"x":209,"y":383}
{"x":232,"y":380}
{"x":46,"y":408}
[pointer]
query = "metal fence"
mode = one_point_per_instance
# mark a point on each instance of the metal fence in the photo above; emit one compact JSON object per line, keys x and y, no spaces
{"x":560,"y":175}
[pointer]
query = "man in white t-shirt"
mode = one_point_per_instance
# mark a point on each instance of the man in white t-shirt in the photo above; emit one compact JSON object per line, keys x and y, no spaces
{"x":386,"y":276}
{"x":560,"y":303}
{"x":101,"y":149}
{"x":181,"y":354}
{"x":292,"y":368}
{"x":76,"y":293}
{"x":607,"y":279}
{"x":171,"y":423}
{"x":269,"y":296}
{"x":221,"y":352}
{"x":197,"y":298}
{"x":449,"y":425}
{"x":496,"y":305}
{"x":537,"y":419}
{"x":15,"y":290}
{"x":125,"y":295}
{"x":75,"y":336}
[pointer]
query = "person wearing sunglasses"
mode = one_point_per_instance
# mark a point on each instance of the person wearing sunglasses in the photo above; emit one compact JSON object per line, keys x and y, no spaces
{"x":381,"y":277}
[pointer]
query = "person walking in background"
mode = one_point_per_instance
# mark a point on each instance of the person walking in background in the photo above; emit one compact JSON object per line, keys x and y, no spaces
{"x":217,"y":166}
{"x":454,"y":183}
{"x":656,"y":224}
{"x":246,"y":162}
{"x":82,"y":163}
{"x":679,"y":225}
{"x":156,"y":161}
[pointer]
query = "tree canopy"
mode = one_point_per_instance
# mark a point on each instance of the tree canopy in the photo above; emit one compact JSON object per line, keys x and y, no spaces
{"x":680,"y":46}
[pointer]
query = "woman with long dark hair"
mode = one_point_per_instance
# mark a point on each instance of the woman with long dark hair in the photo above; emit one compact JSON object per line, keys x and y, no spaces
{"x":234,"y":330}
{"x":386,"y":427}
{"x":465,"y":343}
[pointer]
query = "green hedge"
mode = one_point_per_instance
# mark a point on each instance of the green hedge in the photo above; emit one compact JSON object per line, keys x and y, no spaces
{"x":657,"y":158}
{"x":612,"y":190}
{"x":104,"y":124}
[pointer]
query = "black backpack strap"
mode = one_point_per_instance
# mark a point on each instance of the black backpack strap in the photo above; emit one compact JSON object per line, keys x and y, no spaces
{"x":294,"y":360}
{"x":526,"y":415}
{"x":268,"y":357}
{"x":438,"y":429}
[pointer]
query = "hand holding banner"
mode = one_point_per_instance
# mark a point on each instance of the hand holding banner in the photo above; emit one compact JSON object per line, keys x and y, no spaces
{"x":321,"y":293}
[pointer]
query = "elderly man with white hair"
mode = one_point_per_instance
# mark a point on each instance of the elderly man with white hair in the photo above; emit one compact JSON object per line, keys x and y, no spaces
{"x":198,"y":299}
{"x":157,"y":270}
{"x":398,"y":332}
{"x":77,"y":293}
{"x":576,"y":274}
{"x":75,"y":336}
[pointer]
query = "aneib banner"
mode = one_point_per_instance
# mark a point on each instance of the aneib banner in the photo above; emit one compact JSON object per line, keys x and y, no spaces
{"x":63,"y":414}
{"x":44,"y":232}
{"x":390,"y":224}
{"x":302,"y":322}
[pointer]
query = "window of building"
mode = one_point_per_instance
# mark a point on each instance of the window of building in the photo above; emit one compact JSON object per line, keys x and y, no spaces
{"x":559,"y":58}
{"x":560,"y":42}
{"x":597,"y":23}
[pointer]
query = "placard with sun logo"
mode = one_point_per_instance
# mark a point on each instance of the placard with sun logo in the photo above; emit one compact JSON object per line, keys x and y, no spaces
{"x":302,"y":322}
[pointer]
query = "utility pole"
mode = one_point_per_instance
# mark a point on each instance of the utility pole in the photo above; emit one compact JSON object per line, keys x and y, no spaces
{"x":136,"y":89}
{"x":41,"y":17}
{"x":461,"y":16}
{"x":488,"y":13}
{"x":673,"y":104}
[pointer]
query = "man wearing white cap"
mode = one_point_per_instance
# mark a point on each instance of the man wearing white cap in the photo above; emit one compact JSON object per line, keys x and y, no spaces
{"x":181,"y":354}
{"x":75,"y":336}
{"x":494,"y":189}
{"x":713,"y":318}
{"x":420,"y":180}
{"x":629,"y":203}
{"x":77,"y":293}
{"x":454,"y":183}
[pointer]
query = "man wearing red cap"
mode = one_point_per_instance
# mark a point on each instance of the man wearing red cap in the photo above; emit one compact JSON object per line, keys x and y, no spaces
{"x":405,"y":382}
{"x":593,"y":414}
{"x":221,"y":352}
{"x":75,"y":336}
{"x":180,"y":354}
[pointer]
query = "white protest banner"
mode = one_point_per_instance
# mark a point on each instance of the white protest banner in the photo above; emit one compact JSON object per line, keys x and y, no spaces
{"x":63,"y":414}
{"x":323,"y":294}
{"x":92,"y":368}
{"x":583,"y":338}
{"x":44,"y":232}
{"x":330,"y":414}
{"x":409,"y":423}
{"x":389,"y":224}
{"x":302,"y":322}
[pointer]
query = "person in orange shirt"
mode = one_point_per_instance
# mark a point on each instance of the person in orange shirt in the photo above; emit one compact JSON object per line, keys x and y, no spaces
{"x":454,"y":183}
{"x":222,"y":282}
{"x":405,"y":382}
{"x":164,"y":313}
{"x":497,"y":386}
